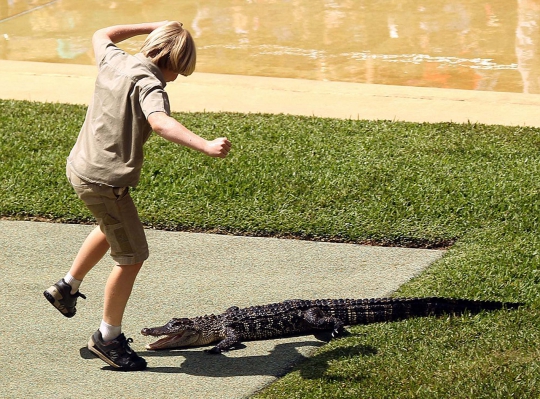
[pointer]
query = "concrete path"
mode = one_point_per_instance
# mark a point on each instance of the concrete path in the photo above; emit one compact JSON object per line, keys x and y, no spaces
{"x":43,"y":354}
{"x":211,"y":92}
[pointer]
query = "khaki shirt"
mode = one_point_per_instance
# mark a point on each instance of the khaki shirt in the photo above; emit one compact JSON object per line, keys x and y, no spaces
{"x":109,"y":149}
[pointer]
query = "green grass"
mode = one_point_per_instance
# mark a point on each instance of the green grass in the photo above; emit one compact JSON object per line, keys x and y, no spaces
{"x":473,"y":188}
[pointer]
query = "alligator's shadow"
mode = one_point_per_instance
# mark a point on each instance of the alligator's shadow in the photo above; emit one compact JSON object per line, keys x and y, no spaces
{"x":277,"y":363}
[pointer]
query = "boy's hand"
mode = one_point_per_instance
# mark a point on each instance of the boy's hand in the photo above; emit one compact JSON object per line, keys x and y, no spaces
{"x":172,"y":130}
{"x":218,"y":148}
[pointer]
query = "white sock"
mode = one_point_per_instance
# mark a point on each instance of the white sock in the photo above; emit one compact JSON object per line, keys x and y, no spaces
{"x":75,"y":284}
{"x":109,"y":332}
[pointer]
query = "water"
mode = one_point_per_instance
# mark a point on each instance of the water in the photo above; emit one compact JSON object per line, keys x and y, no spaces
{"x":460,"y":44}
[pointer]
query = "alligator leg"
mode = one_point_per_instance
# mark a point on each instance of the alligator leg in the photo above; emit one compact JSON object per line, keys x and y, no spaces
{"x":231,"y":338}
{"x":317,"y":319}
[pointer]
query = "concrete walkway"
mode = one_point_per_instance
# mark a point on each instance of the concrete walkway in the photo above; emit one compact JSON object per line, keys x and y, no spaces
{"x":43,"y":353}
{"x":210,"y":92}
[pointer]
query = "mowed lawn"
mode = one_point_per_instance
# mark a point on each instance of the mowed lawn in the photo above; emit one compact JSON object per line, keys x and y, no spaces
{"x":471,"y":188}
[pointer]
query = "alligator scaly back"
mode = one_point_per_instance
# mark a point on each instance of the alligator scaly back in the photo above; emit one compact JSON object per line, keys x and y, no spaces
{"x":299,"y":316}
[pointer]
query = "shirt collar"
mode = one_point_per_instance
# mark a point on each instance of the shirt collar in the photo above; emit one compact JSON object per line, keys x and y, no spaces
{"x":153,"y":67}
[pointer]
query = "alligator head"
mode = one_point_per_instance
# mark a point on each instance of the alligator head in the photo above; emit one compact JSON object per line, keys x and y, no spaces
{"x":176,"y":333}
{"x":182,"y":332}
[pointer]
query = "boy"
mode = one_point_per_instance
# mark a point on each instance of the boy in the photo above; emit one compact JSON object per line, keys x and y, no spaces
{"x":129,"y":102}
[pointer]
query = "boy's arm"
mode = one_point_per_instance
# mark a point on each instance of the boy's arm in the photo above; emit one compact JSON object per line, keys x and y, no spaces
{"x":118,"y":33}
{"x":172,"y":130}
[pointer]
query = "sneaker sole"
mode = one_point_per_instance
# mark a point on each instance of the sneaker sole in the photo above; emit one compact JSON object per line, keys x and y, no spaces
{"x":95,"y":351}
{"x":92,"y":348}
{"x":50,"y":294}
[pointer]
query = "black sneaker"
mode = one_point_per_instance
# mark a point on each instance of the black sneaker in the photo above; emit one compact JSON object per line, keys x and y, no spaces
{"x":117,"y":352}
{"x":60,"y":296}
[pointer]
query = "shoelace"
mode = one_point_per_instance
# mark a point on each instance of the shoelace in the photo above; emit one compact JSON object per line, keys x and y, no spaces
{"x":79,"y":294}
{"x":124,"y":346}
{"x":127,"y":347}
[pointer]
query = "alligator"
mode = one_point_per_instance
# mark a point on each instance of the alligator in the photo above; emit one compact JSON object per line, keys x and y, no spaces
{"x":297,"y":317}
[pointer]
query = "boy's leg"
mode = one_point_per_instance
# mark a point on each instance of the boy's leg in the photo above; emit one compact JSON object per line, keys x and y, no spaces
{"x":119,"y":220}
{"x":63,"y":295}
{"x":92,"y":251}
{"x":114,"y":349}
{"x":117,"y":291}
{"x":121,"y":228}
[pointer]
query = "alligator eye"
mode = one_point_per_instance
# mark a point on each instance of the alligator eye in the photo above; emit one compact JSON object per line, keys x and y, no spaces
{"x":183,"y":322}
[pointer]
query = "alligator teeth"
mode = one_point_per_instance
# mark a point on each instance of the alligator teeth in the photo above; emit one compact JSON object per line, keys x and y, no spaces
{"x":165,"y":342}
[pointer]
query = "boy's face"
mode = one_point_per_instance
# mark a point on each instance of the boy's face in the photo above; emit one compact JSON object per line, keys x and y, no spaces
{"x":169,"y":75}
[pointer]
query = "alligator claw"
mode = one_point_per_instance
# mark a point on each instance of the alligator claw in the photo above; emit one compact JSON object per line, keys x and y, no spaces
{"x":214,"y":351}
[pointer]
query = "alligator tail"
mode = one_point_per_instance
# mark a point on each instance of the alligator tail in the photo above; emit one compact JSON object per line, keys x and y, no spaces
{"x":365,"y":311}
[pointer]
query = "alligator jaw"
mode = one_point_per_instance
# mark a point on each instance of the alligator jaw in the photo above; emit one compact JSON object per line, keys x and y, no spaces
{"x":169,"y":341}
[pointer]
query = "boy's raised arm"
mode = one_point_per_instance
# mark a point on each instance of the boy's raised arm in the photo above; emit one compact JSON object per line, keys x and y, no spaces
{"x":118,"y":33}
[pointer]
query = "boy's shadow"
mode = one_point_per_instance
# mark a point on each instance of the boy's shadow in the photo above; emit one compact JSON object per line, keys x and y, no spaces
{"x":277,"y":363}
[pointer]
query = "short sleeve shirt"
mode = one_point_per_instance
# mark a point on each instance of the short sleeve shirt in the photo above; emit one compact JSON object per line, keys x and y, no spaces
{"x":109,"y":149}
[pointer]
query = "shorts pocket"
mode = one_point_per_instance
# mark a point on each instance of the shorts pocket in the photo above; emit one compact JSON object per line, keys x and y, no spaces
{"x":120,"y":192}
{"x":118,"y":239}
{"x":113,"y":230}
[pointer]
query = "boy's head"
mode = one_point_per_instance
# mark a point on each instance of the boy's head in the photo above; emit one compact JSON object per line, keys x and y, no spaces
{"x":171,"y":47}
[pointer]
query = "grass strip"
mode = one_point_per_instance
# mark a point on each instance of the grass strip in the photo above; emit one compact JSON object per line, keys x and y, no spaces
{"x":382,"y":182}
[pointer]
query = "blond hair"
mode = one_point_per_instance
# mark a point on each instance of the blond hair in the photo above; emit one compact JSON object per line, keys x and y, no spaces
{"x":171,"y":47}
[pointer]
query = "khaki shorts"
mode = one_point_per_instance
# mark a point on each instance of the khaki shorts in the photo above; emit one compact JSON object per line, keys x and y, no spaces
{"x":117,"y":217}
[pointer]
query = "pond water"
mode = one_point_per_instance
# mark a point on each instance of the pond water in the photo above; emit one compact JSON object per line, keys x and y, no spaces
{"x":461,"y":44}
